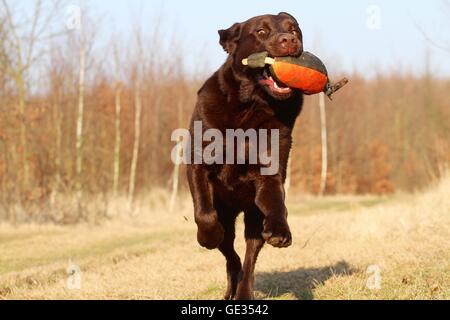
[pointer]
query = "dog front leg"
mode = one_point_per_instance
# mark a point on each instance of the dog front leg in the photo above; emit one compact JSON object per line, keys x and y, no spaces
{"x":210,"y":231}
{"x":270,"y":197}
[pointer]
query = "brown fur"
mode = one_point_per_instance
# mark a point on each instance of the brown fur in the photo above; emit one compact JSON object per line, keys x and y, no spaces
{"x":233,"y":98}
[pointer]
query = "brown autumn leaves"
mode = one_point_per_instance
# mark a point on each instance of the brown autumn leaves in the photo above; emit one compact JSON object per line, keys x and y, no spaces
{"x":88,"y":121}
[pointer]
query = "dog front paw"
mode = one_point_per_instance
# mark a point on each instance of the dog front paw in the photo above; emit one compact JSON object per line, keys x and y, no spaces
{"x":277,"y":234}
{"x":211,"y":237}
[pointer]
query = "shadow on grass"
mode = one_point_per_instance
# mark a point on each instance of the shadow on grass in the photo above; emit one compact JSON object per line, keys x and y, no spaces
{"x":300,"y":282}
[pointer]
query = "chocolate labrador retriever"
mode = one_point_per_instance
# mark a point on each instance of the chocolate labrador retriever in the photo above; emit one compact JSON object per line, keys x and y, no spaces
{"x":237,"y":97}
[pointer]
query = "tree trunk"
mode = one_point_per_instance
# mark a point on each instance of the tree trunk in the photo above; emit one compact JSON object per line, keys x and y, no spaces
{"x":287,"y":184}
{"x":23,"y":131}
{"x":155,"y":152}
{"x":137,"y":137}
{"x":117,"y":144}
{"x":80,"y":117}
{"x":176,"y":169}
{"x":175,"y":181}
{"x":323,"y":127}
{"x":58,"y":149}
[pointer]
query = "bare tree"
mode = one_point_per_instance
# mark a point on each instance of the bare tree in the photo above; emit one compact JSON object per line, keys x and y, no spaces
{"x":80,"y":114}
{"x":288,"y":183}
{"x":4,"y":59}
{"x":57,"y":87}
{"x":117,"y":114}
{"x":324,"y":139}
{"x":81,"y":86}
{"x":439,"y":44}
{"x":22,"y":42}
{"x":86,"y":36}
{"x":176,"y":168}
{"x":137,"y":139}
{"x":138,"y":72}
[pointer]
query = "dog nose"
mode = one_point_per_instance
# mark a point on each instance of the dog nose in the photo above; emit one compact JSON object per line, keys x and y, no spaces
{"x":289,"y":43}
{"x":286,"y":39}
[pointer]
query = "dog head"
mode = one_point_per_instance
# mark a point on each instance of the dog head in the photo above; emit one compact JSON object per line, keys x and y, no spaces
{"x":279,"y":35}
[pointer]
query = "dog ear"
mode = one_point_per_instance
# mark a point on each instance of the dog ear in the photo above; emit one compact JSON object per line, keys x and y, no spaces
{"x":230,"y":37}
{"x":289,"y":15}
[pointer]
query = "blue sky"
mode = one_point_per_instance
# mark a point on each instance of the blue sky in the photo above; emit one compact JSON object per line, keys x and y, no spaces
{"x":337,"y":31}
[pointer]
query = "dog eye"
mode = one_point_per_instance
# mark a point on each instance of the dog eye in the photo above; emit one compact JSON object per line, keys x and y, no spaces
{"x":294,"y":32}
{"x":261,"y":32}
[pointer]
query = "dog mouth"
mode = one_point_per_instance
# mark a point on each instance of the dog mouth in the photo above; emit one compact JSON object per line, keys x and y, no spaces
{"x":274,"y":87}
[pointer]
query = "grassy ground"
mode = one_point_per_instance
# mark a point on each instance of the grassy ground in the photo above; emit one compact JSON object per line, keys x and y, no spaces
{"x":155,"y":255}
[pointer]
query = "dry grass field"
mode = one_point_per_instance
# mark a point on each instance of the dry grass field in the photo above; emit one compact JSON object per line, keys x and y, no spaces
{"x":154,"y":255}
